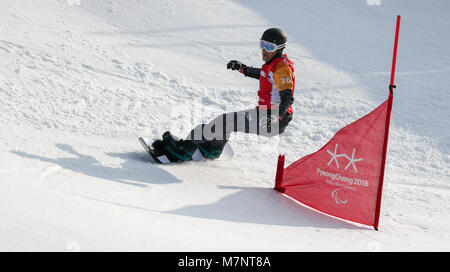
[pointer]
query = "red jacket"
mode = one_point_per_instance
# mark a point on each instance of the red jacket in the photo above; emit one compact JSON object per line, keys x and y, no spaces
{"x":276,"y":76}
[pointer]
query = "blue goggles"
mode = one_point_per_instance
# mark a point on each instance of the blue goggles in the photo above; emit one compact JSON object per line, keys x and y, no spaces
{"x":270,"y":47}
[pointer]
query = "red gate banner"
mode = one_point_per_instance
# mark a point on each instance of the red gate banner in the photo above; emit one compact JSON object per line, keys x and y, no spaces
{"x":345,"y":177}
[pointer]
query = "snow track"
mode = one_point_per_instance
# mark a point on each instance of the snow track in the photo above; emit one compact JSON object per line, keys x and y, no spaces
{"x":80,"y":82}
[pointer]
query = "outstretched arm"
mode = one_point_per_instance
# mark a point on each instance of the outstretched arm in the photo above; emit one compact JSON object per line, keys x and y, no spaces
{"x":244,"y":69}
{"x":252,"y":72}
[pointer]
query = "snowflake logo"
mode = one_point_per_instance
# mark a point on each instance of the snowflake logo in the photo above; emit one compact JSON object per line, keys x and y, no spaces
{"x":352,"y":160}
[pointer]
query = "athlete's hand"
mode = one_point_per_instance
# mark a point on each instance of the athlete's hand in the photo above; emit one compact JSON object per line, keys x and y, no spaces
{"x":236,"y":65}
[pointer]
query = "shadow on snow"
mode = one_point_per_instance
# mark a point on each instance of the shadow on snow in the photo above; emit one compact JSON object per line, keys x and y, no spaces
{"x":261,"y":206}
{"x":130,"y":172}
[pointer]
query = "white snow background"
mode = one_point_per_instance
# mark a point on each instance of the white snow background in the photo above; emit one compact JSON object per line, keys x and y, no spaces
{"x":81,"y":80}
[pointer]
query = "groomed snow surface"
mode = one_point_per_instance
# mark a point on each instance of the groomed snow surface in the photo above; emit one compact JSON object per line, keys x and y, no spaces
{"x":81,"y":80}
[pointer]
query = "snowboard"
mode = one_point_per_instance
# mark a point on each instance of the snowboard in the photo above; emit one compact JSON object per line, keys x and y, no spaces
{"x":227,"y":154}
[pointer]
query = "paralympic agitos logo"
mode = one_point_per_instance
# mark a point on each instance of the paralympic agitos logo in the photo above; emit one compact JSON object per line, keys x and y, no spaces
{"x":339,"y":195}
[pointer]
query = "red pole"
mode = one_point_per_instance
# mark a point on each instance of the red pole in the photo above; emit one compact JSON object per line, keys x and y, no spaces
{"x":394,"y":58}
{"x":388,"y":120}
{"x":279,"y":175}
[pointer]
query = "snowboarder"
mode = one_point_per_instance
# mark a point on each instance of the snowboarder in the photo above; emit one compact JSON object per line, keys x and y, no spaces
{"x":269,"y":118}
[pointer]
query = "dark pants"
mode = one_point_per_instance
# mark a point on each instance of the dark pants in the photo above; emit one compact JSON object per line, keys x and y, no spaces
{"x":216,"y":133}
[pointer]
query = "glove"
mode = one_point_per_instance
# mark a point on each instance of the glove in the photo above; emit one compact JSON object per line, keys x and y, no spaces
{"x":236,"y":65}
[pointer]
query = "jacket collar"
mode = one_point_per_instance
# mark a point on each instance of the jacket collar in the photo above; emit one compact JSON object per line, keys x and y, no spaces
{"x":278,"y":55}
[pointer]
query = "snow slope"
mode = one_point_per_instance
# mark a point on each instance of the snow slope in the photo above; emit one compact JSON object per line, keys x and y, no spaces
{"x":81,"y":80}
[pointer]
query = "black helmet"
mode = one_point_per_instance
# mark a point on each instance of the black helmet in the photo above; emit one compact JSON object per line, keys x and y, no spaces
{"x":274,"y":35}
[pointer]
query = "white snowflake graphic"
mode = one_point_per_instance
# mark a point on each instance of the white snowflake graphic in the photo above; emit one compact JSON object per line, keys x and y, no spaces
{"x":335,"y":156}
